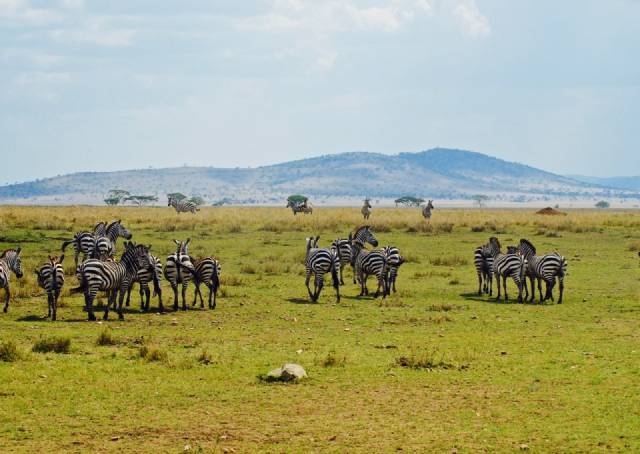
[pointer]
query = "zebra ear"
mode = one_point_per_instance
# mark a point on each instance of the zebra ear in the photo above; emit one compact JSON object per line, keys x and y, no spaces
{"x":18,"y":250}
{"x":187,"y":242}
{"x":61,"y":259}
{"x":177,"y":242}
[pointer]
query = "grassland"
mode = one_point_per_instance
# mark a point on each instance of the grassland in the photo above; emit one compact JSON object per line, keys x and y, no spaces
{"x":433,"y":368}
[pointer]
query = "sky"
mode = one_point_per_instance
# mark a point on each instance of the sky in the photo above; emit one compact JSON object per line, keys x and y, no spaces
{"x":97,"y":85}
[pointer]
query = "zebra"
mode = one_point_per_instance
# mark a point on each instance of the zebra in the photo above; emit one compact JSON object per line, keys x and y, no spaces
{"x":183,"y":206}
{"x":143,"y":278}
{"x":83,"y":242}
{"x":112,"y":277}
{"x":207,"y":272}
{"x":178,"y":269}
{"x":483,"y":261}
{"x":363,"y":234}
{"x":300,"y":207}
{"x":394,"y":262}
{"x":51,"y":279}
{"x":369,"y":263}
{"x":426,"y":210}
{"x":507,"y":265}
{"x":106,"y":237}
{"x":543,"y":268}
{"x":320,"y":261}
{"x":366,"y":209}
{"x":9,"y":261}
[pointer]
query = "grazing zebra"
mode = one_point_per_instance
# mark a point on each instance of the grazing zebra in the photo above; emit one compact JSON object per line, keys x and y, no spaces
{"x":51,"y":279}
{"x":207,"y":272}
{"x":183,"y":206}
{"x":366,"y":209}
{"x":300,"y":207}
{"x":363,"y":234}
{"x":543,"y":268}
{"x":507,"y":265}
{"x":9,"y":261}
{"x":320,"y":261}
{"x":106,"y":238}
{"x":426,"y":210}
{"x":179,"y":270}
{"x":369,"y":263}
{"x":112,"y":277}
{"x":394,"y":262}
{"x":143,"y":278}
{"x":483,"y":261}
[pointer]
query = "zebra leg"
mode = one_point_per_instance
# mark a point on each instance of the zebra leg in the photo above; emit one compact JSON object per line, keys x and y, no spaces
{"x":504,"y":285}
{"x":141,"y":292}
{"x":520,"y":283}
{"x":479,"y":283}
{"x":490,"y":278}
{"x":320,"y":284}
{"x":307,"y":279}
{"x":560,"y":288}
{"x":49,"y":303}
{"x":341,"y":269}
{"x":498,"y":285}
{"x":201,"y":300}
{"x":89,"y":296}
{"x":120,"y":301}
{"x":526,"y":289}
{"x":184,"y":296}
{"x":54,"y":311}
{"x":195,"y":293}
{"x":174,"y":287}
{"x":110,"y":299}
{"x":550,"y":285}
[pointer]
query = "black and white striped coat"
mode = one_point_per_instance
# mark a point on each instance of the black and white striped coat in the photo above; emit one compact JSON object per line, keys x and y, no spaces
{"x":318,"y":262}
{"x":183,"y":206}
{"x":369,"y":263}
{"x":51,"y":279}
{"x":106,"y":238}
{"x":394,"y":261}
{"x":363,"y":234}
{"x":207,"y":272}
{"x":483,"y":262}
{"x":151,"y":274}
{"x":179,"y":270}
{"x":10,"y":261}
{"x":511,"y":265}
{"x":545,"y":268}
{"x":113,"y":277}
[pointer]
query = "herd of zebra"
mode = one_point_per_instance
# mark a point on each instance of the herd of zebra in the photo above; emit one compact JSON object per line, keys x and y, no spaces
{"x":519,"y":263}
{"x":100,"y":271}
{"x":383,"y":264}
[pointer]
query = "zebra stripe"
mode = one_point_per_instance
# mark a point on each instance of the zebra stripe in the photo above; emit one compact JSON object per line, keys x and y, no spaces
{"x":112,"y":277}
{"x":9,"y":261}
{"x":83,"y":242}
{"x":394,"y":260}
{"x":363,"y":234}
{"x":483,"y":261}
{"x":300,"y":207}
{"x":507,"y":265}
{"x":320,"y":261}
{"x":366,"y":209}
{"x":207,"y":272}
{"x":51,"y":279}
{"x":151,"y":274}
{"x":106,"y":238}
{"x":369,"y":263}
{"x":183,"y":206}
{"x":426,"y":211}
{"x":179,"y":270}
{"x":545,"y":268}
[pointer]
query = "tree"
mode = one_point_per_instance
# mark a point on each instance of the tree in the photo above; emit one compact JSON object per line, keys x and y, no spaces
{"x":602,"y":204}
{"x":141,"y":199}
{"x":112,"y":200}
{"x":176,"y":195}
{"x":115,"y":196}
{"x":297,"y":198}
{"x":197,"y":200}
{"x":409,"y":201}
{"x":480,"y":199}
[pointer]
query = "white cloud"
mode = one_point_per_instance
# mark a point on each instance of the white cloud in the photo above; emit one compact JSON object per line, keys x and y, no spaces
{"x":473,"y":22}
{"x":22,"y":10}
{"x":96,"y":31}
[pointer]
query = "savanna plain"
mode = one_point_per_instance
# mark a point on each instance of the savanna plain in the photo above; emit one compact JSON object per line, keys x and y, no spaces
{"x":432,"y":368}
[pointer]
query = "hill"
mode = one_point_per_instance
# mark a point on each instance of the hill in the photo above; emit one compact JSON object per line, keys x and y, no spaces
{"x":438,"y":173}
{"x":629,"y":183}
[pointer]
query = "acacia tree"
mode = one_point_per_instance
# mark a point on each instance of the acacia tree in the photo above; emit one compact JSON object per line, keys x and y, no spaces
{"x":197,"y":200}
{"x":602,"y":204}
{"x":115,"y":196}
{"x":409,"y":201}
{"x":176,"y":196}
{"x":480,"y":199}
{"x":141,"y":199}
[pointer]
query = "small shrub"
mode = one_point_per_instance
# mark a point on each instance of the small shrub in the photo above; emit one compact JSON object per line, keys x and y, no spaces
{"x":248,"y":268}
{"x":445,"y":227}
{"x":428,"y":360}
{"x":204,"y":358}
{"x":106,"y":338}
{"x":152,"y":354}
{"x":9,"y":352}
{"x":332,"y":360}
{"x":52,"y":344}
{"x":634,"y":246}
{"x":452,"y":260}
{"x":441,"y":308}
{"x":478,"y":228}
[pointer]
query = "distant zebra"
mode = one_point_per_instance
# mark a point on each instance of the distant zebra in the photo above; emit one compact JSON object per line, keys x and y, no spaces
{"x":394,"y":261}
{"x":51,"y":279}
{"x":207,"y":272}
{"x":366,"y":209}
{"x":507,"y":265}
{"x":9,"y":261}
{"x":151,"y":274}
{"x":106,"y":238}
{"x":543,"y":268}
{"x":483,"y":261}
{"x":113,"y":277}
{"x":300,"y":207}
{"x":179,"y":270}
{"x":320,"y":261}
{"x":369,"y":263}
{"x":183,"y":206}
{"x":426,"y":210}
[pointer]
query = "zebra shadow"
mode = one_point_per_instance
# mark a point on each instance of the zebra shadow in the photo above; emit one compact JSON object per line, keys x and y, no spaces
{"x":300,"y":301}
{"x":488,"y":299}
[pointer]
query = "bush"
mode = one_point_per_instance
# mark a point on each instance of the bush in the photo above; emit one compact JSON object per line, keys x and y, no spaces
{"x":52,"y":344}
{"x":106,"y":338}
{"x":332,"y":360}
{"x":152,"y":354}
{"x":453,"y":260}
{"x":204,"y":358}
{"x":9,"y":352}
{"x":428,"y":360}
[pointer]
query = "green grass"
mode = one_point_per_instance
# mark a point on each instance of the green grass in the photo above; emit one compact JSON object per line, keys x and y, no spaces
{"x":434,"y":368}
{"x":52,"y":345}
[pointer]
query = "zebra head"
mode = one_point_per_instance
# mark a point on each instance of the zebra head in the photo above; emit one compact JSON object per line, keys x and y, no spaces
{"x":430,"y":205}
{"x":512,"y":250}
{"x":136,"y":256}
{"x":13,"y":260}
{"x":493,"y":246}
{"x":526,"y":249}
{"x":182,"y":247}
{"x":367,"y":203}
{"x":364,"y":235}
{"x":116,"y":229}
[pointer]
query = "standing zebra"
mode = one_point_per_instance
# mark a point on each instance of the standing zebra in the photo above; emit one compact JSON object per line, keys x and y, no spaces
{"x":207,"y":272}
{"x":507,"y":265}
{"x":112,"y":277}
{"x":543,"y":268}
{"x":106,"y":238}
{"x":51,"y":279}
{"x":9,"y":261}
{"x":369,"y":263}
{"x":483,"y":261}
{"x":183,"y":206}
{"x":366,"y":209}
{"x":426,"y":210}
{"x":179,"y":270}
{"x":152,"y":273}
{"x":300,"y":207}
{"x":320,"y":261}
{"x":363,"y":234}
{"x":394,"y":260}
{"x":83,"y":242}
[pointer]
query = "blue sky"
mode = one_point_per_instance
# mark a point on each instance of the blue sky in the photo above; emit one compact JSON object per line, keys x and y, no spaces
{"x":95,"y":85}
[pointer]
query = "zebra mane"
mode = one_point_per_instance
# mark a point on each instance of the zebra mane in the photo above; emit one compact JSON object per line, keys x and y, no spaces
{"x":529,"y":245}
{"x":362,"y":227}
{"x":111,"y":224}
{"x":7,"y":251}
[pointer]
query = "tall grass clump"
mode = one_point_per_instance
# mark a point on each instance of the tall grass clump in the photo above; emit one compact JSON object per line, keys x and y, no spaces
{"x":152,"y":354}
{"x":9,"y":352}
{"x":57,"y":344}
{"x":429,"y":360}
{"x":106,"y":338}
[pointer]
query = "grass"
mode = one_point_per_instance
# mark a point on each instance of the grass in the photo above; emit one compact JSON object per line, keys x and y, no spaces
{"x":9,"y":352}
{"x":54,"y":344}
{"x":568,"y":374}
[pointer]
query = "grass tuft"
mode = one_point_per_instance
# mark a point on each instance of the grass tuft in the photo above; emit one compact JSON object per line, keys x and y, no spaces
{"x":9,"y":352}
{"x":150,"y":354}
{"x":428,"y":360}
{"x":56,"y":344}
{"x":106,"y":337}
{"x":332,"y":360}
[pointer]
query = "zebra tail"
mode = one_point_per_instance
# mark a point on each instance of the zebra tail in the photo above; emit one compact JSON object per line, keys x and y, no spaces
{"x":66,"y":243}
{"x":157,"y":290}
{"x":563,"y":267}
{"x":334,"y":272}
{"x":82,"y":287}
